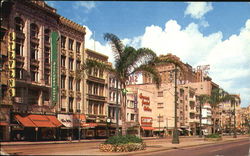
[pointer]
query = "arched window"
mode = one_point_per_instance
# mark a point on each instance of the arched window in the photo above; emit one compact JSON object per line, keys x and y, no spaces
{"x":33,"y":30}
{"x":19,"y":24}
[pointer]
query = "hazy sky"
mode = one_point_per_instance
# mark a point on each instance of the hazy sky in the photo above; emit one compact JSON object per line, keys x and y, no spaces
{"x":200,"y":33}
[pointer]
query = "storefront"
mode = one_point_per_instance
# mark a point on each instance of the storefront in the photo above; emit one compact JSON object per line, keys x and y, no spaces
{"x":146,"y":126}
{"x":74,"y":126}
{"x":35,"y":127}
{"x":4,"y":124}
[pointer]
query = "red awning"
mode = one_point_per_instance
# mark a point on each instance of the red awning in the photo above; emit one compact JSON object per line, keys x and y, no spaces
{"x":3,"y":124}
{"x":89,"y":124}
{"x":148,"y":128}
{"x":79,"y":118}
{"x":38,"y":121}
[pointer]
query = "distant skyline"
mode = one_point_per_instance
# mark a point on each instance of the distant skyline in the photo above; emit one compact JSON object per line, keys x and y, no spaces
{"x":200,"y":33}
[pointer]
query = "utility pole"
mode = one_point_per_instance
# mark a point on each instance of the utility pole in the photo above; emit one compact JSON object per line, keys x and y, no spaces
{"x":175,"y":134}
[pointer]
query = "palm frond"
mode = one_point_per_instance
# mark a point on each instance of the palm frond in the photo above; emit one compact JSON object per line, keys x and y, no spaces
{"x":150,"y":70}
{"x":116,"y":44}
{"x":203,"y":98}
{"x":90,"y":63}
{"x":139,"y":57}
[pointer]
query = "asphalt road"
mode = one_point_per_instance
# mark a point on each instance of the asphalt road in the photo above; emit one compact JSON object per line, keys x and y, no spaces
{"x":239,"y":148}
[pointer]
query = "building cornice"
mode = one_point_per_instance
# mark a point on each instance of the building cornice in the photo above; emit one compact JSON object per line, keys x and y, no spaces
{"x":72,"y":24}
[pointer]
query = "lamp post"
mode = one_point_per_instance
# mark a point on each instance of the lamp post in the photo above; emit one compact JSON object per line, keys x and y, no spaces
{"x":175,"y":134}
{"x":108,"y":122}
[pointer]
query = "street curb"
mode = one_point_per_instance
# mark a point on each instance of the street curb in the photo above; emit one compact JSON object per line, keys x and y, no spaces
{"x":170,"y":148}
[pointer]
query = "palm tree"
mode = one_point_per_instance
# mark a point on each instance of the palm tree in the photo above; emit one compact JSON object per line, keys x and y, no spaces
{"x":203,"y":98}
{"x":217,"y":96}
{"x":232,"y":98}
{"x":129,"y":61}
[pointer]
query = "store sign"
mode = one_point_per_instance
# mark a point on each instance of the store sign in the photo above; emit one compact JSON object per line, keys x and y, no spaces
{"x":12,"y":63}
{"x":66,"y":120}
{"x":146,"y":120}
{"x":54,"y":54}
{"x":145,"y":103}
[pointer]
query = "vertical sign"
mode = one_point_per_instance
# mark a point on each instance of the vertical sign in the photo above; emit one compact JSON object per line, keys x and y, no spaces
{"x":12,"y":63}
{"x":54,"y":54}
{"x":136,"y":102}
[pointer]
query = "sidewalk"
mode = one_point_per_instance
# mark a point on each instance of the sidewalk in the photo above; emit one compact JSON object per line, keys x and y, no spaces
{"x":153,"y":144}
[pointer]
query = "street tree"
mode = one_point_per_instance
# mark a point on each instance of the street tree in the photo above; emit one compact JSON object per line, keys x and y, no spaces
{"x":233,"y":99}
{"x":203,"y":98}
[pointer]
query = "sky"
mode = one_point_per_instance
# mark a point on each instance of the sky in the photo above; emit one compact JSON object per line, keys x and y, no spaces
{"x":200,"y":33}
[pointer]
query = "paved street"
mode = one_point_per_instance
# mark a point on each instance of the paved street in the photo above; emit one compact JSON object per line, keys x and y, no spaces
{"x":239,"y":148}
{"x":193,"y":146}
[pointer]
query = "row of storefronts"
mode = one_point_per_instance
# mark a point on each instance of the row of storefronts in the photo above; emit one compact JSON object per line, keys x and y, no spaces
{"x":35,"y":127}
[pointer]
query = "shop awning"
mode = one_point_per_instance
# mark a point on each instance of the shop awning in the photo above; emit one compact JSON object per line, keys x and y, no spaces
{"x":38,"y":121}
{"x":79,"y":118}
{"x":148,"y":128}
{"x":3,"y":123}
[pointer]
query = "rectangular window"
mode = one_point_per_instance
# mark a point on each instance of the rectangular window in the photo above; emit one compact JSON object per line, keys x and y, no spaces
{"x":63,"y":60}
{"x":95,"y":72}
{"x":19,"y":47}
{"x":71,"y":61}
{"x":78,"y":65}
{"x":101,"y":73}
{"x":132,"y":117}
{"x":95,"y":108}
{"x":96,"y":89}
{"x":34,"y":51}
{"x":101,"y":90}
{"x":90,"y":87}
{"x":71,"y":44}
{"x":90,"y":107}
{"x":78,"y":45}
{"x":78,"y":84}
{"x":63,"y":42}
{"x":70,"y":83}
{"x":63,"y":78}
{"x":71,"y":100}
{"x":34,"y":76}
{"x":160,"y":94}
{"x":160,"y":105}
{"x":19,"y":73}
{"x":101,"y":108}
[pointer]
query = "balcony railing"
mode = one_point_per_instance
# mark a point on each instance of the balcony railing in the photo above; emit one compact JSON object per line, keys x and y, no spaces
{"x":71,"y":93}
{"x":63,"y":70}
{"x":34,"y":62}
{"x":63,"y":92}
{"x":63,"y":52}
{"x":71,"y":54}
{"x":20,"y":58}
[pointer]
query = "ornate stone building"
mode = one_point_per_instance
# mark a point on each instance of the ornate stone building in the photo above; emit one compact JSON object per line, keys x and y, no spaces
{"x":41,"y":72}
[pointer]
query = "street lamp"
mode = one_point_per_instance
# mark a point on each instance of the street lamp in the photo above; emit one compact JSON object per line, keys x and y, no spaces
{"x":175,"y":134}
